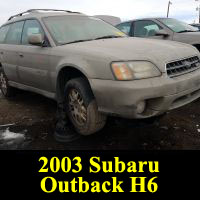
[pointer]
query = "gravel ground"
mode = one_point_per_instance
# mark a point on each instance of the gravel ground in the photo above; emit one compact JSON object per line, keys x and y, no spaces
{"x":27,"y":122}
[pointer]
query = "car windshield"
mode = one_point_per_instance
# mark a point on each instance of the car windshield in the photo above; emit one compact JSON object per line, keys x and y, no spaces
{"x":178,"y":26}
{"x":71,"y":29}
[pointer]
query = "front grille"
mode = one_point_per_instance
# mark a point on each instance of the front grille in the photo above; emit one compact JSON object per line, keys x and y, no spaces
{"x":184,"y":66}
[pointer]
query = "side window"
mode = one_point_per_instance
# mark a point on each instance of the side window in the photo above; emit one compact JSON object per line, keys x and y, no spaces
{"x":31,"y":27}
{"x":145,"y":28}
{"x":3,"y":33}
{"x":125,"y":27}
{"x":14,"y":33}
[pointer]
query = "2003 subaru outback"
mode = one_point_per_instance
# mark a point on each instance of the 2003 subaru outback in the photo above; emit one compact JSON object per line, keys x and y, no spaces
{"x":95,"y":69}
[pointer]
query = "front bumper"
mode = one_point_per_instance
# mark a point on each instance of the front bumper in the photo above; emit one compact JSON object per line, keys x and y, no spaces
{"x":160,"y":94}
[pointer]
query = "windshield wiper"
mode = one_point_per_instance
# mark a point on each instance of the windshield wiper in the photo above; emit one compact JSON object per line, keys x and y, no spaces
{"x":104,"y":37}
{"x":76,"y":41}
{"x":186,"y":31}
{"x":108,"y":36}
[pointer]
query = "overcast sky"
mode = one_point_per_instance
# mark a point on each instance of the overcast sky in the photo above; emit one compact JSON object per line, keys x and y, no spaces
{"x":125,"y":9}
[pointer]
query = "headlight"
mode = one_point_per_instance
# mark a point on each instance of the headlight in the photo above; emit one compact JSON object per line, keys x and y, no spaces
{"x":125,"y":71}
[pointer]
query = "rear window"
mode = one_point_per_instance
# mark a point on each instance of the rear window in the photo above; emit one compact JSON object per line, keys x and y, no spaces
{"x":15,"y":33}
{"x":125,"y":27}
{"x":3,"y":33}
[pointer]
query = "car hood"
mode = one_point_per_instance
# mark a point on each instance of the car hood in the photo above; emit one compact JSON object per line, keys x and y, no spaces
{"x":189,"y":37}
{"x":158,"y":52}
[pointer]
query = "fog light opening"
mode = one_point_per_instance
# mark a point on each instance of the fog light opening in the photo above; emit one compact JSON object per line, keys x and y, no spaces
{"x":141,"y":107}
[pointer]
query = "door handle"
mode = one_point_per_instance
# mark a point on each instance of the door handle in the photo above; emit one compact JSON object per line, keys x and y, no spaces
{"x":21,"y":55}
{"x":1,"y":53}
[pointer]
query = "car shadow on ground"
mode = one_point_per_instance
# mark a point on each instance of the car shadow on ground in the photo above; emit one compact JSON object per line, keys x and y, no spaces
{"x":28,"y":120}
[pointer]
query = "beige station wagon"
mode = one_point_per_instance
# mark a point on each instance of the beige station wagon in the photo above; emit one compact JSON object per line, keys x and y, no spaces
{"x":94,"y":69}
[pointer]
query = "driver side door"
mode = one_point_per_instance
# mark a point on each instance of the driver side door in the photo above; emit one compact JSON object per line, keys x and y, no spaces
{"x":34,"y":68}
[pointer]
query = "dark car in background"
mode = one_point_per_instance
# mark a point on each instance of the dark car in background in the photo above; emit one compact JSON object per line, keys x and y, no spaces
{"x":196,"y":26}
{"x":162,"y":28}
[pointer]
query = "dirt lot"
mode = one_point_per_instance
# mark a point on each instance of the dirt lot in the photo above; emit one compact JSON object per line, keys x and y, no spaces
{"x":27,"y":122}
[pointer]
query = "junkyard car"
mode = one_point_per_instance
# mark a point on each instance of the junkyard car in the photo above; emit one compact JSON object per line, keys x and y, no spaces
{"x":162,"y":28}
{"x":94,"y":69}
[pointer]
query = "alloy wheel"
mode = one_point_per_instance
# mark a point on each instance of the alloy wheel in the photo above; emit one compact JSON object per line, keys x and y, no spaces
{"x":77,"y":108}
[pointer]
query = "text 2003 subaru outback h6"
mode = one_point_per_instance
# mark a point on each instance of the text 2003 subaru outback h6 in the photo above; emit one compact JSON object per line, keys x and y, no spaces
{"x":95,"y":69}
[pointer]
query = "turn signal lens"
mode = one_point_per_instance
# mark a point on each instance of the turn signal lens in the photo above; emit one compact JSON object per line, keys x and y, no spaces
{"x":122,"y":72}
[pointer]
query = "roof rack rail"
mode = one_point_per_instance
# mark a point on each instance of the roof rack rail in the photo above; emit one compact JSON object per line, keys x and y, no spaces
{"x":18,"y":15}
{"x":35,"y":10}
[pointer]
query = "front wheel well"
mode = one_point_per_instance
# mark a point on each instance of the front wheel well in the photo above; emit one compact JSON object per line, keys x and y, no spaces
{"x":66,"y":74}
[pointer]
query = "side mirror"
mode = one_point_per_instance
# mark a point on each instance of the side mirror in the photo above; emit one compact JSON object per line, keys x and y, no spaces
{"x":36,"y":39}
{"x":161,"y":33}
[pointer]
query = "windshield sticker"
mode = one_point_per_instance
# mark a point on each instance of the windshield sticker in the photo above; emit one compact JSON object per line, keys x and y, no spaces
{"x":120,"y":33}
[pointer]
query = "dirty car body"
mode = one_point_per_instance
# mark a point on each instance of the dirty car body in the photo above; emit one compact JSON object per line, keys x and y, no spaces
{"x":128,"y":77}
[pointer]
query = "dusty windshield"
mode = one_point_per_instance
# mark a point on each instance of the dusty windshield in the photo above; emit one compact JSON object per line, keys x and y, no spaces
{"x":69,"y":29}
{"x":178,"y":26}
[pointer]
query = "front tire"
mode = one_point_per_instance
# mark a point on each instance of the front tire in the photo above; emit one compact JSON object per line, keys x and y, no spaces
{"x":6,"y":90}
{"x":81,"y":107}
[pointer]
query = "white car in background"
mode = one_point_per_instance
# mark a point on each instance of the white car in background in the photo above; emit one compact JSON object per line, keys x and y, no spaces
{"x":109,"y":19}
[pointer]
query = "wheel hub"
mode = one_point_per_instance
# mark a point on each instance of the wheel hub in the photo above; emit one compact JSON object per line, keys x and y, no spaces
{"x":77,"y":108}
